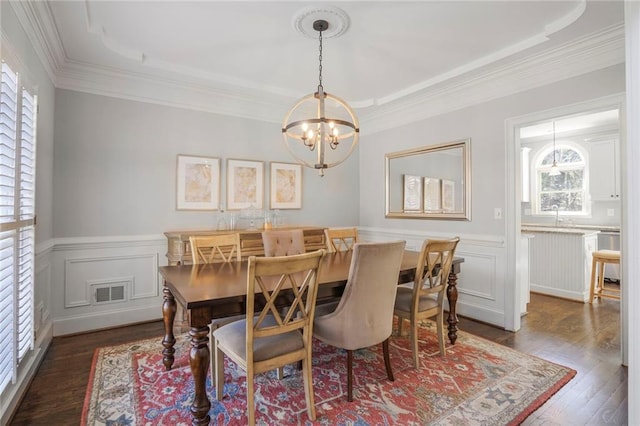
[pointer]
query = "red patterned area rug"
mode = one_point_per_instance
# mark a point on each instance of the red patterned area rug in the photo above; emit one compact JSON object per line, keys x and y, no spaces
{"x":478,"y":382}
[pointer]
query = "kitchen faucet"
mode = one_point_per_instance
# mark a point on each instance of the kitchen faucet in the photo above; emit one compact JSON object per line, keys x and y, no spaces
{"x":557,"y":210}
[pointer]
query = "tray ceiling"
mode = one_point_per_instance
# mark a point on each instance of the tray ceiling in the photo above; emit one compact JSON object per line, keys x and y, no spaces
{"x":243,"y":51}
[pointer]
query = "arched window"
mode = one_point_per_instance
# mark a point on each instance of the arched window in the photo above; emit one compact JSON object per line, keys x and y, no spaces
{"x":566,"y":191}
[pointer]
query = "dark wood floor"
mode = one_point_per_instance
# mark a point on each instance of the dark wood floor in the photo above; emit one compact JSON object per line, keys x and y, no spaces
{"x":581,"y":336}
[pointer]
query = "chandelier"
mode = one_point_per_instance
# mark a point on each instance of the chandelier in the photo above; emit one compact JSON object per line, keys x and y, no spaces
{"x":321,"y":130}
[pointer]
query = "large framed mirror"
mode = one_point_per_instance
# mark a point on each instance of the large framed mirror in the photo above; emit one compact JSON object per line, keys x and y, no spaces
{"x":431,"y":182}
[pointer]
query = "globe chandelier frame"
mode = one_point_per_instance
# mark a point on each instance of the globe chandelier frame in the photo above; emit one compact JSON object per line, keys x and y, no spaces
{"x":319,"y":132}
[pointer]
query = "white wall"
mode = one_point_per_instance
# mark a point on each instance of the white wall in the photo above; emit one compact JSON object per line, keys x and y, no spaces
{"x":485,"y":277}
{"x":114,"y":196}
{"x":115,"y":167}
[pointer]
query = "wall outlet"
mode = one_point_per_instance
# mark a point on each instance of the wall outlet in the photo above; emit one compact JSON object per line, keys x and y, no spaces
{"x":497,"y":213}
{"x":611,"y":212}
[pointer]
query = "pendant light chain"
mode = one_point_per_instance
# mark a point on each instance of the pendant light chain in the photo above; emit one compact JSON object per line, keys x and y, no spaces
{"x":320,"y":65}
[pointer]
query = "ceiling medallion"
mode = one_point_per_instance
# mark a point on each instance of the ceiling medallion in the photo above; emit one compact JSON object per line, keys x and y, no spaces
{"x":337,"y":19}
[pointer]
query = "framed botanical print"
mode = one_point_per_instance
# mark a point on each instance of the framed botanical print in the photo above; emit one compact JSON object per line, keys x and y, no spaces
{"x":285,"y":186}
{"x":432,"y":195}
{"x":197,"y":183}
{"x":412,"y":193}
{"x":448,"y":195}
{"x":245,"y":184}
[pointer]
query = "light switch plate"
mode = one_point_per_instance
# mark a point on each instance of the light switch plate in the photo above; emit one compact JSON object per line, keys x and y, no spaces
{"x":611,"y":212}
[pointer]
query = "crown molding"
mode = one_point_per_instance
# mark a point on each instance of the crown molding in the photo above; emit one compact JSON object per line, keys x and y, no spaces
{"x":482,"y":83}
{"x":37,"y":21}
{"x":191,"y":93}
{"x":494,"y":57}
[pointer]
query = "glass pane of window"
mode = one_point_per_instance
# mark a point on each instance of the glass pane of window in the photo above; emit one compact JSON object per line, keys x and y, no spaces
{"x":569,"y":156}
{"x":563,"y":156}
{"x":566,"y":180}
{"x":565,"y":201}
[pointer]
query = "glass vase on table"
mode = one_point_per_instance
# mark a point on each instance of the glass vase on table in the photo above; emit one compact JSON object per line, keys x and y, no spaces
{"x":222,"y":221}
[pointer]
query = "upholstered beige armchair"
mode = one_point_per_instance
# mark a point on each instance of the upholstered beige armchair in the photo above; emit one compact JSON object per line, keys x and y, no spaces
{"x":283,"y":242}
{"x":425,"y":298}
{"x":364,"y":315}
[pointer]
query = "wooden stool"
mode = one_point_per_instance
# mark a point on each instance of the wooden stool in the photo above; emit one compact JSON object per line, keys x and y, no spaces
{"x":600,"y":258}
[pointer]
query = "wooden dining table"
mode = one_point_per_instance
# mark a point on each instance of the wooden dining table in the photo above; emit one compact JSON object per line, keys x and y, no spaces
{"x":219,"y":290}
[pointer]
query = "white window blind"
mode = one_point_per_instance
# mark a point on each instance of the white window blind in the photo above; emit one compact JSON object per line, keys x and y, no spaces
{"x":17,"y":211}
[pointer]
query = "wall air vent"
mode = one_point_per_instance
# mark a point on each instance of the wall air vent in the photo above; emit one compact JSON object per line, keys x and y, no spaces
{"x":109,"y":293}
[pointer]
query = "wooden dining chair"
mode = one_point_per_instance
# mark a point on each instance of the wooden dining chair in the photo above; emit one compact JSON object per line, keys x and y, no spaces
{"x":273,"y":337}
{"x":283,"y":242}
{"x":215,"y":248}
{"x":341,"y":239}
{"x":364,"y":315}
{"x":424,"y":299}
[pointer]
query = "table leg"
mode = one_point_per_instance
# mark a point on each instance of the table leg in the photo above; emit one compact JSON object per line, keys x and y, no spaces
{"x":168,"y":315}
{"x":452,"y":298}
{"x":199,"y":362}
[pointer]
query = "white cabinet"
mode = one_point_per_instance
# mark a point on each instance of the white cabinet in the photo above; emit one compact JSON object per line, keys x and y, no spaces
{"x":604,"y":170}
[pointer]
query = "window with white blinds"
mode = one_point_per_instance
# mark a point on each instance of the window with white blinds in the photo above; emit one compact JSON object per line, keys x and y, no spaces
{"x":17,"y":212}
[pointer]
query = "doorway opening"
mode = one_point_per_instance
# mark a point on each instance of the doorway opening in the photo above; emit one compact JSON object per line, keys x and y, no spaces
{"x":583,"y":195}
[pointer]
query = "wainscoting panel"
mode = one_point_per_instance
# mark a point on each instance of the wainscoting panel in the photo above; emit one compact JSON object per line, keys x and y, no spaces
{"x":133,"y":262}
{"x":82,"y":275}
{"x":478,"y":272}
{"x":106,"y":282}
{"x":42,"y":282}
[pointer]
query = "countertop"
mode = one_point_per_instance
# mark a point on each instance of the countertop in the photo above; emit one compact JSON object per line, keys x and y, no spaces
{"x":603,"y":228}
{"x":579,"y":230}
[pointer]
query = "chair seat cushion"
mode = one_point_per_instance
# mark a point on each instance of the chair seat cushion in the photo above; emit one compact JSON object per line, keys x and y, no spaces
{"x":233,"y":337}
{"x":403,"y":300}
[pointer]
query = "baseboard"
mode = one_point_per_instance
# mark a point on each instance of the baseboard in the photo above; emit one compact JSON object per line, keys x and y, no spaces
{"x":106,"y":319}
{"x":563,"y":294}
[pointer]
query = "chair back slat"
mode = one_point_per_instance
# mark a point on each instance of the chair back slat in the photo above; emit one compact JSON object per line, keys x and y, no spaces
{"x":341,"y":239}
{"x":434,"y":265}
{"x":295,"y":275}
{"x":215,"y":248}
